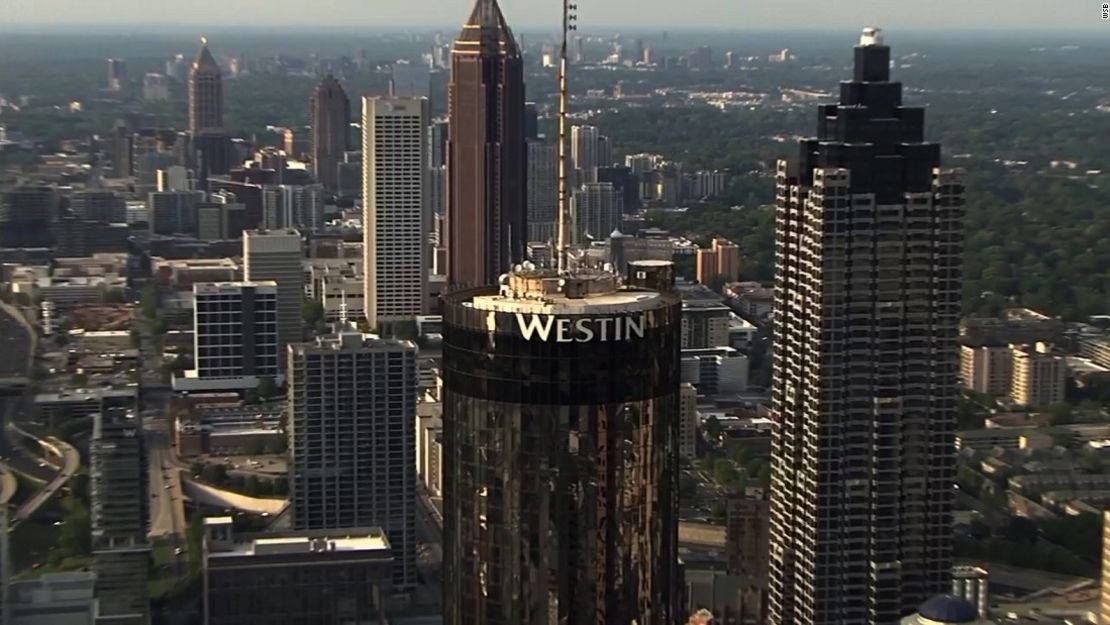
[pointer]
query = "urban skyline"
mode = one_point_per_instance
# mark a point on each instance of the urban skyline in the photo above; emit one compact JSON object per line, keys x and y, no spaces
{"x":711,"y":14}
{"x":318,"y":378}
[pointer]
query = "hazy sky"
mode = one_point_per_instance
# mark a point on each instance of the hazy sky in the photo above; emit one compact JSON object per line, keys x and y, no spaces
{"x":532,"y":14}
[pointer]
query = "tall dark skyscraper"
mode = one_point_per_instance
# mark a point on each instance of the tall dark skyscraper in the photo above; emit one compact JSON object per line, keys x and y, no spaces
{"x":26,"y":213}
{"x":486,"y":203}
{"x":331,"y":120}
{"x":210,"y":143}
{"x":560,"y":466}
{"x":869,"y":240}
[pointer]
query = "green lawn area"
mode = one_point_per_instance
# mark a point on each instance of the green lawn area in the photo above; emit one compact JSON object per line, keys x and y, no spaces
{"x":31,"y":544}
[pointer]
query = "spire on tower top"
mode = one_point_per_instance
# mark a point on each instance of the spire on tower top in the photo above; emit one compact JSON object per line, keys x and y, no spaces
{"x":204,"y":58}
{"x":487,"y":26}
{"x":871,"y":36}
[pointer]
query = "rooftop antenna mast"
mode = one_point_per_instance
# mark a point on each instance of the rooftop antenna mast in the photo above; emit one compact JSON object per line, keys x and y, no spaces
{"x":570,"y":18}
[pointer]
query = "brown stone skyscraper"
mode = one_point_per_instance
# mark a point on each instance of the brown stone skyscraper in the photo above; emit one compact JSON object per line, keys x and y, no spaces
{"x":487,"y":153}
{"x":210,"y":143}
{"x":206,"y":93}
{"x":331,"y":118}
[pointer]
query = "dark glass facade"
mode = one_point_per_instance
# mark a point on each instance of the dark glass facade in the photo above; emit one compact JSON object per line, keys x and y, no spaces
{"x":560,"y":464}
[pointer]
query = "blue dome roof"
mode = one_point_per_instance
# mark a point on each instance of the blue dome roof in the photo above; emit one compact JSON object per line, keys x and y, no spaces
{"x":949,"y":609}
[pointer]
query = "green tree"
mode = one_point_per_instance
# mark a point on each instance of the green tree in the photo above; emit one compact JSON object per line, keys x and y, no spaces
{"x":712,"y":428}
{"x":725,"y":472}
{"x":76,"y":537}
{"x":1060,"y":414}
{"x":312,"y":311}
{"x":267,"y":389}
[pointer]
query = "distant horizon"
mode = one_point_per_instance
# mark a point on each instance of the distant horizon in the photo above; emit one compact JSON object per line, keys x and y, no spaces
{"x":187,"y":29}
{"x":622,"y":15}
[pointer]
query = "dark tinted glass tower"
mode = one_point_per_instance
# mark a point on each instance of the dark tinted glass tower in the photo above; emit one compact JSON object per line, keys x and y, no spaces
{"x":487,"y":230}
{"x":331,"y":118}
{"x":867,"y":301}
{"x":560,"y":451}
{"x":211,"y":146}
{"x":26,"y":213}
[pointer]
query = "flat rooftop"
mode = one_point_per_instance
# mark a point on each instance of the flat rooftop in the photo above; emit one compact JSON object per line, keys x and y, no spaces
{"x":222,"y":287}
{"x":546,"y":292}
{"x":374,"y":541}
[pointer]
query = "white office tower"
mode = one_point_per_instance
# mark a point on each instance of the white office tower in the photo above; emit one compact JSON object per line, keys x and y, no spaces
{"x":276,"y":255}
{"x":584,"y":153}
{"x":293,"y":206}
{"x":543,"y":190}
{"x":395,"y":207}
{"x":235,"y":330}
{"x":596,"y":212}
{"x":352,"y":437}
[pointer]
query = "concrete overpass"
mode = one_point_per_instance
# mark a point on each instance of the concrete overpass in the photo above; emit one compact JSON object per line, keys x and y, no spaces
{"x":8,"y":485}
{"x":69,"y":462}
{"x":211,"y":496}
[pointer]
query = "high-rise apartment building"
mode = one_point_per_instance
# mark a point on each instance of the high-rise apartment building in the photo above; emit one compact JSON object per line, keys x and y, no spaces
{"x":117,"y":74}
{"x":1104,"y":596}
{"x":688,"y":422}
{"x":987,"y":369}
{"x":102,"y":206}
{"x":352,"y":440}
{"x":275,"y":255}
{"x":585,"y":153}
{"x":395,"y":207}
{"x":561,"y":449}
{"x":293,"y":206}
{"x":438,"y":133}
{"x":26,"y":213}
{"x":747,"y":539}
{"x":331,"y":119}
{"x":119,"y":514}
{"x":235,"y":331}
{"x":174,"y":212}
{"x":728,"y":259}
{"x":486,"y":200}
{"x":543,"y":190}
{"x":865,"y":390}
{"x":595,"y":210}
{"x":156,"y":87}
{"x":708,"y":264}
{"x":210,"y":144}
{"x":1040,"y":376}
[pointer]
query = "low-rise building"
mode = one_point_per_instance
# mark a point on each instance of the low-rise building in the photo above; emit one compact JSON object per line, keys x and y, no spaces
{"x":54,"y":408}
{"x":318,"y":576}
{"x":716,"y":370}
{"x":755,"y":301}
{"x":53,"y":599}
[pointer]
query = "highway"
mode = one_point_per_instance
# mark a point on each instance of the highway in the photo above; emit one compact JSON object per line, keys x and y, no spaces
{"x":16,"y":343}
{"x":71,"y":462}
{"x":167,"y":515}
{"x":8,"y":485}
{"x":13,"y":451}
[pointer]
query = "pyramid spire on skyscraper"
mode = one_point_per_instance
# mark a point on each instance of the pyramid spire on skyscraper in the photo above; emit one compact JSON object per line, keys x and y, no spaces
{"x":488,"y":28}
{"x":205,"y":60}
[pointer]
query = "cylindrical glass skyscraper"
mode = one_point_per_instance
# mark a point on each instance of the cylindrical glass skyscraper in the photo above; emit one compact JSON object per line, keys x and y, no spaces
{"x":561,"y":401}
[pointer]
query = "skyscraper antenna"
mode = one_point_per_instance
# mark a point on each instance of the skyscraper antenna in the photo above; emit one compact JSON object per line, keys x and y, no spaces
{"x":569,"y":19}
